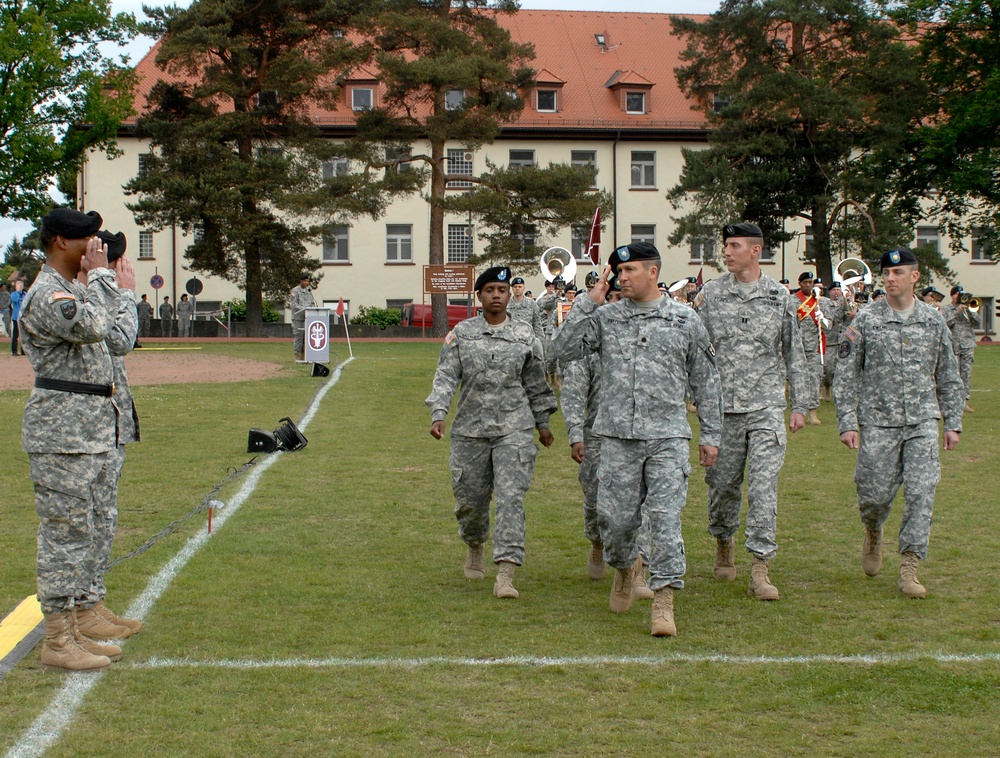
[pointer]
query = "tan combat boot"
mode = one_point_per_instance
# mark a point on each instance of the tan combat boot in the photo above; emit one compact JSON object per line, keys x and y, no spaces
{"x":969,"y":409}
{"x":504,"y":585}
{"x":909,"y":585}
{"x":134,"y":625}
{"x":474,"y":568}
{"x":871,"y":552}
{"x":61,"y":648}
{"x":812,"y":418}
{"x":640,"y":588}
{"x":621,"y":587}
{"x":760,"y":585}
{"x":725,"y":562}
{"x":92,"y":624}
{"x":595,"y":561}
{"x":663,"y":613}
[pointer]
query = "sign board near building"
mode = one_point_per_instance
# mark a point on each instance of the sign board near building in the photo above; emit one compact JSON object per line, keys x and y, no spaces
{"x":440,"y":280}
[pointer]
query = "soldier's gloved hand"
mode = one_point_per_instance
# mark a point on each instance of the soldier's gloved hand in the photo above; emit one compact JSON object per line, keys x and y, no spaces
{"x":576,"y":452}
{"x":545,"y":437}
{"x":437,"y":430}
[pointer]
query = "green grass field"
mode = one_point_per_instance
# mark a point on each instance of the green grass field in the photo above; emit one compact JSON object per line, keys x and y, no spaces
{"x":346,"y":560}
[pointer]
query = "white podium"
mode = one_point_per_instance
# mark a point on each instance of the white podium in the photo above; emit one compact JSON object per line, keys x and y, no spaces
{"x":317,"y":335}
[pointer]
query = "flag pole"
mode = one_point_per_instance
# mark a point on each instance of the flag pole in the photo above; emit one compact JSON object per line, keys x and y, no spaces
{"x":340,"y":315}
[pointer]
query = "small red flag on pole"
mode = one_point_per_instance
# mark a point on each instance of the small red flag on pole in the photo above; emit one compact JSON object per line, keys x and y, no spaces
{"x":340,"y":308}
{"x":700,"y":281}
{"x":594,"y":240}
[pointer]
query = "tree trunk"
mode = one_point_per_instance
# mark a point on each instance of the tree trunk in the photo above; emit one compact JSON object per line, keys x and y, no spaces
{"x":439,"y":303}
{"x":254,"y":292}
{"x":821,"y":225}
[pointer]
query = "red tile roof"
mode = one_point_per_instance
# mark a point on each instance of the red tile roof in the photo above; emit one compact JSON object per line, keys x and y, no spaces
{"x":639,"y":49}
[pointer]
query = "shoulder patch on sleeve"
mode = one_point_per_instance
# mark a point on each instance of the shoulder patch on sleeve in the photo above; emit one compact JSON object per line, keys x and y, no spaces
{"x":450,"y":337}
{"x":845,"y":349}
{"x":56,"y":296}
{"x":851,"y":334}
{"x":698,"y":300}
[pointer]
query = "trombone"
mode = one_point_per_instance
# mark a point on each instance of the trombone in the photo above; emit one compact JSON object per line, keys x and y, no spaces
{"x":971,"y":302}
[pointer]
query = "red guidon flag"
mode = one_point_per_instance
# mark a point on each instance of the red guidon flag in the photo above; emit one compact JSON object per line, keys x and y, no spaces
{"x":594,"y":240}
{"x":340,"y":308}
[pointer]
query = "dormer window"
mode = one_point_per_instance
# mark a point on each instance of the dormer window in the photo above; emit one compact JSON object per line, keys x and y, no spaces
{"x":454,"y":99}
{"x":362,"y":98}
{"x":635,"y":102}
{"x":546,"y":100}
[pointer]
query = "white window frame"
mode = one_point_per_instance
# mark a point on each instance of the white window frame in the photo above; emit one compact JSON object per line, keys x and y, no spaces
{"x":980,"y":252}
{"x":929,"y":237}
{"x":547,"y":92}
{"x":454,"y":99}
{"x":524,"y":159}
{"x":590,"y":161}
{"x":146,"y":246}
{"x":361,"y":106}
{"x":459,"y":164}
{"x":336,"y":167}
{"x":646,"y":168}
{"x":399,"y":243}
{"x":643,"y":233}
{"x":459,"y":243}
{"x":337,"y":244}
{"x":629,"y":102}
{"x":144,"y":159}
{"x":701,"y":249}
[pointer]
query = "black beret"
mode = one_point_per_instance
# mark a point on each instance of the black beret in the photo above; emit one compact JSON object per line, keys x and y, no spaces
{"x":877,"y":293}
{"x":305,"y":276}
{"x":692,"y":280}
{"x":806,"y":275}
{"x":614,"y":285}
{"x":930,"y":291}
{"x":591,"y":279}
{"x":494,"y":274}
{"x":637,"y":251}
{"x":784,"y":281}
{"x":661,"y":285}
{"x":956,"y":289}
{"x":835,"y":285}
{"x":899,"y":256}
{"x":743,"y":229}
{"x":116,"y":244}
{"x":516,"y":280}
{"x":571,"y":288}
{"x":71,"y":224}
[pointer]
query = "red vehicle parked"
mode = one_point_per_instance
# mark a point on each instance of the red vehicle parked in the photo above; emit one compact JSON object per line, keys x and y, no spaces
{"x":414,"y":314}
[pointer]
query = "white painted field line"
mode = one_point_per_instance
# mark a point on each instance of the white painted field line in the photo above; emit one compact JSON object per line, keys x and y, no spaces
{"x":50,"y":725}
{"x":530,"y":661}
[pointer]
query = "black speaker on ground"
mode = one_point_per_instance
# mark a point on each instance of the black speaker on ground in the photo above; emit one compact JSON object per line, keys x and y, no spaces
{"x":285,"y":437}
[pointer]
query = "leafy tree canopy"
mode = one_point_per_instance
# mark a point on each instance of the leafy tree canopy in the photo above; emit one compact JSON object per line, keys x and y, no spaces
{"x":59,"y":97}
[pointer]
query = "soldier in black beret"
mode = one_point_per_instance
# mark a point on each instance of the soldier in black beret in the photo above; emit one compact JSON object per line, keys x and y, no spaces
{"x":69,"y":224}
{"x":637,"y":251}
{"x":116,"y":243}
{"x":743,"y":229}
{"x":899,"y":256}
{"x":494,"y":274}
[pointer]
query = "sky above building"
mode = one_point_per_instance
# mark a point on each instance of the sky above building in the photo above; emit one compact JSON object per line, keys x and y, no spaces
{"x":10,"y":228}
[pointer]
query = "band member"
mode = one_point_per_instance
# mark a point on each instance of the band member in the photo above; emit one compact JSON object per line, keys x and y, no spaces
{"x":496,"y":362}
{"x":525,"y":309}
{"x":813,"y":341}
{"x":963,"y":322}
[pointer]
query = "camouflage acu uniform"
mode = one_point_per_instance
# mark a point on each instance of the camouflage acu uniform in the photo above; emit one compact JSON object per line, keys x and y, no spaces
{"x":120,"y":342}
{"x":838,"y":314}
{"x":648,"y":358}
{"x":758,"y":348}
{"x":145,"y":311}
{"x":301,"y":298}
{"x":528,"y":312}
{"x":166,"y":319}
{"x":503,"y":397}
{"x":894,"y":380}
{"x":69,"y":436}
{"x":963,"y":339}
{"x":580,"y":391}
{"x":185,"y":309}
{"x":547,"y":305}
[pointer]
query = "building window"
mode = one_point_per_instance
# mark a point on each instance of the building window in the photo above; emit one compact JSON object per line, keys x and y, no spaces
{"x":586,"y":158}
{"x":808,"y":253}
{"x":399,"y":243}
{"x":198,"y":232}
{"x":336,"y":248}
{"x":454,"y":99}
{"x":397,"y":155}
{"x":459,"y":164}
{"x":144,"y":160}
{"x":578,"y":243}
{"x":459,"y":243}
{"x":719,"y":102}
{"x":644,"y":233}
{"x":362,"y":98}
{"x":397,"y":304}
{"x":522,"y":159}
{"x":336,"y":167}
{"x":267,"y":101}
{"x":546,"y":100}
{"x":928,"y":238}
{"x":643,"y":169}
{"x":145,"y":245}
{"x":635,"y":102}
{"x":767,"y":254}
{"x":701,"y":249}
{"x":982,"y":248}
{"x":269,"y":153}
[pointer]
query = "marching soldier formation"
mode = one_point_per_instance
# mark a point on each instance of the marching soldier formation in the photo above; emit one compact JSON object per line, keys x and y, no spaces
{"x":630,"y":352}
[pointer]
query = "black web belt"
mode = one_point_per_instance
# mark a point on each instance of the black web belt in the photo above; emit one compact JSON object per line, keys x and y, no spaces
{"x":82,"y":388}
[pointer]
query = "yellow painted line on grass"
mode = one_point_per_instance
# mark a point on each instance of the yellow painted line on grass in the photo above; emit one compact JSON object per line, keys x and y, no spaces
{"x":19,"y":624}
